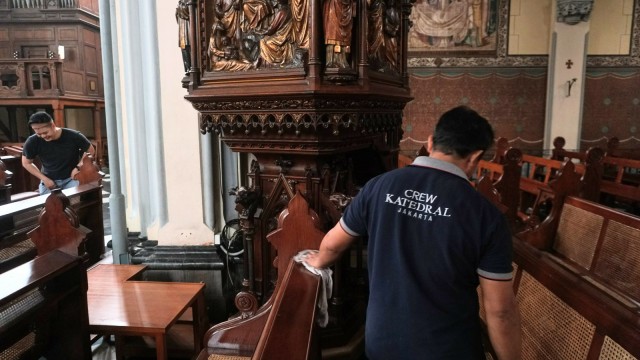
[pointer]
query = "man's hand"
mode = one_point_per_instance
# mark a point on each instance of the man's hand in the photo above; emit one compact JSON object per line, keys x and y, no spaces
{"x":50,"y":184}
{"x":75,"y":172}
{"x":312,"y":259}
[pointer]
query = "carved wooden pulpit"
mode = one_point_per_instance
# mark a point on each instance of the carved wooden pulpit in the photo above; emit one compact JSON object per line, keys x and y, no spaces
{"x":315,"y":91}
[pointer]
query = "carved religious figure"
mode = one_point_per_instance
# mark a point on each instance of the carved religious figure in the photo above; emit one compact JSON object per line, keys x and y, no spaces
{"x":277,"y":45}
{"x":391,"y":29}
{"x":182,"y":17}
{"x":229,"y":17}
{"x":256,"y":14}
{"x":338,"y":23}
{"x":384,"y":24}
{"x":223,"y":55}
{"x":300,"y":20}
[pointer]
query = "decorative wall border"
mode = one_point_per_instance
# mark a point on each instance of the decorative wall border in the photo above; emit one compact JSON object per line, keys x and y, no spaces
{"x":504,"y":60}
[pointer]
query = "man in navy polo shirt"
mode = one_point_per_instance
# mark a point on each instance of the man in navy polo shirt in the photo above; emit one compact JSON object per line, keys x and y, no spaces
{"x":432,"y":240}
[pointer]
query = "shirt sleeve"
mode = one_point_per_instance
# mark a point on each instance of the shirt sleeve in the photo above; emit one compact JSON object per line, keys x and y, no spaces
{"x":354,"y":219}
{"x":496,"y":260}
{"x":28,"y":149}
{"x":83,"y":142}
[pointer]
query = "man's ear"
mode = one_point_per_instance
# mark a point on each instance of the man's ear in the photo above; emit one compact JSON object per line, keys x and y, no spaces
{"x":430,"y":144}
{"x":475,"y":156}
{"x":471,"y":162}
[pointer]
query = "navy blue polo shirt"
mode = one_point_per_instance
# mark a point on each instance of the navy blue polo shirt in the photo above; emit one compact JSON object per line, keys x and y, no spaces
{"x":431,"y":235}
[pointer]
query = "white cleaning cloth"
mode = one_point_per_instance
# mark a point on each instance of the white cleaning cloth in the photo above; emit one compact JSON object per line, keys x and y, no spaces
{"x":325,"y":291}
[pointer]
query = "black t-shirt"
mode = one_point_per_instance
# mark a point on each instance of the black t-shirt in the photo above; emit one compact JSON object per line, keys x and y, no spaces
{"x":58,"y":157}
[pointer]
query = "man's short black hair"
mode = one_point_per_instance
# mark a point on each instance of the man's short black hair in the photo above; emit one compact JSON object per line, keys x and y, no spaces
{"x":462,"y":131}
{"x":40,"y":117}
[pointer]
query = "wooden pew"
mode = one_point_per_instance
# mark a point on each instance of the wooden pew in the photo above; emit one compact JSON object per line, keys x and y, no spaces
{"x":621,"y":181}
{"x":577,"y":284}
{"x":284,"y":326}
{"x":18,"y":219}
{"x":538,"y":172}
{"x":43,"y":309}
{"x":500,"y":182}
{"x":614,"y":150}
{"x":618,"y":182}
{"x":5,"y":187}
{"x":22,"y":181}
{"x":525,"y":195}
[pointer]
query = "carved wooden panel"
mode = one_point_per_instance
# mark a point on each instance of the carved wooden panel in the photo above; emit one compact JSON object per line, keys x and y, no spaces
{"x":31,"y":33}
{"x":90,"y":37}
{"x":90,"y":59}
{"x":68,"y":33}
{"x":73,"y":82}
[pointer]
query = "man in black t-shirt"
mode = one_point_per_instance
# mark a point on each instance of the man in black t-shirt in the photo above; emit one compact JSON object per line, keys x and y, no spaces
{"x":60,"y":150}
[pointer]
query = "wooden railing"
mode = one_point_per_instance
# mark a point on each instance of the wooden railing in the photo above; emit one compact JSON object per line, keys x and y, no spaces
{"x":31,"y":77}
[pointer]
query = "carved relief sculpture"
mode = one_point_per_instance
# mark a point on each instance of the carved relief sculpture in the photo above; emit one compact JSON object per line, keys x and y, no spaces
{"x":277,"y":46}
{"x":253,"y":34}
{"x":338,"y":23}
{"x":223,"y":55}
{"x":573,"y":11}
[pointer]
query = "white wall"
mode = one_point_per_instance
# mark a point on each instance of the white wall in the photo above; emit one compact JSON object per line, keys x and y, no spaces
{"x":181,"y":141}
{"x":180,"y":161}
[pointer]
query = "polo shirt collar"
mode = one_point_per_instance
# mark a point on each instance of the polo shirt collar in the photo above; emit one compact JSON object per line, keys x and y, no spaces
{"x":426,"y":161}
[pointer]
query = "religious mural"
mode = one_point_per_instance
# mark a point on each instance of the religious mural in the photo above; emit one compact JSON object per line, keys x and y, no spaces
{"x":453,"y":25}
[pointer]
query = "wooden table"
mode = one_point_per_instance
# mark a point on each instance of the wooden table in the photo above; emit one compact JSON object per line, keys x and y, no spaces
{"x":123,"y":307}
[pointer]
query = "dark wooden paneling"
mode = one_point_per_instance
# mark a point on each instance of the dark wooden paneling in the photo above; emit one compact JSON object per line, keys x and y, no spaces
{"x":68,"y":33}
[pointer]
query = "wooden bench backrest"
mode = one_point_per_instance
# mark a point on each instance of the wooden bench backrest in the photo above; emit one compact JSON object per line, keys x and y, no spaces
{"x":614,"y":150}
{"x":18,"y":218}
{"x":501,"y":182}
{"x":537,"y":172}
{"x":618,"y":176}
{"x":603,"y":245}
{"x":5,"y":187}
{"x":43,"y":309}
{"x":289,"y":330}
{"x":578,"y":294}
{"x":58,"y":227}
{"x":298,"y":229}
{"x":622,"y":178}
{"x":565,"y":316}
